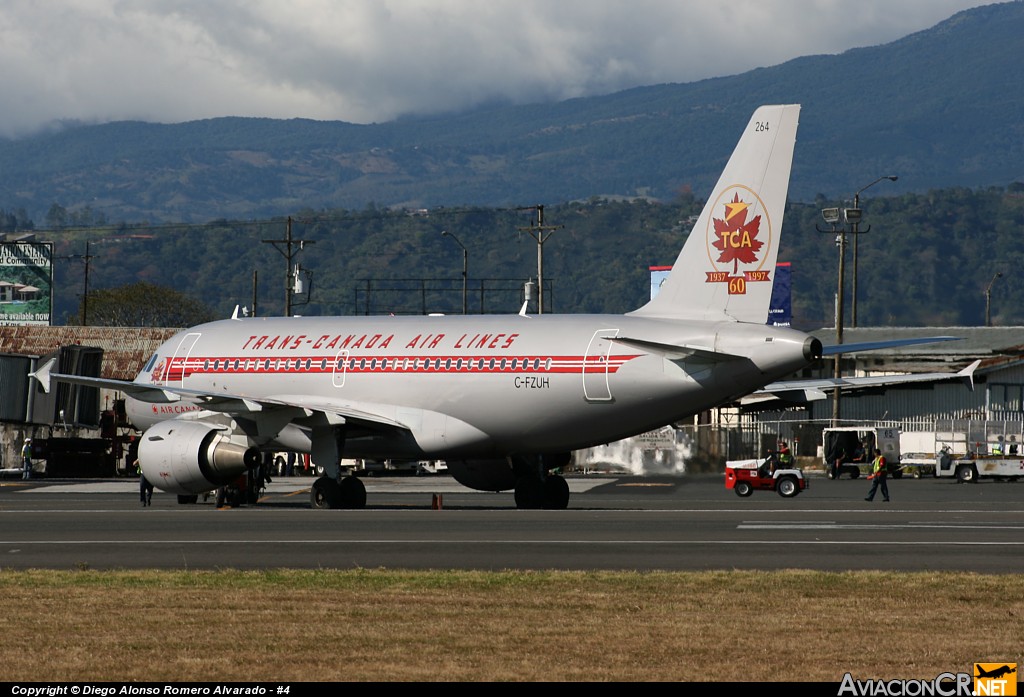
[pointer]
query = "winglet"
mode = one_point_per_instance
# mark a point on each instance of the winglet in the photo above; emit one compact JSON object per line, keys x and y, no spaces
{"x":42,"y":374}
{"x":968,"y":374}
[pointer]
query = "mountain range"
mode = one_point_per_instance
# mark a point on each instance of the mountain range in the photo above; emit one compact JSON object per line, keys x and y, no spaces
{"x":939,"y":108}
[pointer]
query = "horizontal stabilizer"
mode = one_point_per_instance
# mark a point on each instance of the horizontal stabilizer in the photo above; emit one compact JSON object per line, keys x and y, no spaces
{"x":676,"y":352}
{"x":878,"y":345}
{"x":42,"y":374}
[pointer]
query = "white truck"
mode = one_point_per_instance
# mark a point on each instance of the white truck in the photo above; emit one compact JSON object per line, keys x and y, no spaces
{"x":849,"y":450}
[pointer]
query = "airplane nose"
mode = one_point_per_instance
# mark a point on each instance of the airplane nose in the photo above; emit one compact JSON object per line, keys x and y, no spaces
{"x":812,"y":349}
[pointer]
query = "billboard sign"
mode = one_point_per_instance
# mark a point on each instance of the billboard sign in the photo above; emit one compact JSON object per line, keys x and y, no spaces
{"x":26,"y":283}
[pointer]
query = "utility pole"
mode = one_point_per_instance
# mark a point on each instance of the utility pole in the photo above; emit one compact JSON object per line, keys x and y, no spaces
{"x":85,"y":291}
{"x":540,"y":232}
{"x":465,"y":270}
{"x":254,"y":286}
{"x":288,"y":243}
{"x":988,"y":299}
{"x":855,"y":220}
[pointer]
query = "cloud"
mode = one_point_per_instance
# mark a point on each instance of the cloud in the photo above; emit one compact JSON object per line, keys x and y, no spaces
{"x":374,"y":60}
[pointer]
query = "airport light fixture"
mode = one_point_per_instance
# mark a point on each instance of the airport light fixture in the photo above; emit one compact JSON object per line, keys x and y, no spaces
{"x":837,"y":218}
{"x":832,"y":217}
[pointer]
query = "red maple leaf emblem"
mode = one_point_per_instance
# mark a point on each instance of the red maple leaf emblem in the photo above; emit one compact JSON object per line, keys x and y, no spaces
{"x":737,"y":239}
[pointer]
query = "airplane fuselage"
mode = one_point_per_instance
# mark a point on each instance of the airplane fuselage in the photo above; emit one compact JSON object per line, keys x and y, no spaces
{"x":473,"y":386}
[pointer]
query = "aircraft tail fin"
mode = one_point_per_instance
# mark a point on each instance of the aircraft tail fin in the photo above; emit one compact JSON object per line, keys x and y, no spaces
{"x":726,"y":268}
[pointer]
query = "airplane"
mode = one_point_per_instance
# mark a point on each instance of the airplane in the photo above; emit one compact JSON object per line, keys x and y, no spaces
{"x":504,"y":400}
{"x":995,"y":673}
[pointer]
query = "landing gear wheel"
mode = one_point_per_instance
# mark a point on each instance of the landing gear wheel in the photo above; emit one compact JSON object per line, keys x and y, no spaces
{"x":352,"y":493}
{"x":966,"y":473}
{"x":325,"y":493}
{"x":787,"y":487}
{"x":529,"y":493}
{"x":556,"y":493}
{"x":743,"y":489}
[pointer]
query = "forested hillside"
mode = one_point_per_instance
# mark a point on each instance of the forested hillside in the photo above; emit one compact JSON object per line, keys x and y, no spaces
{"x":926,"y":260}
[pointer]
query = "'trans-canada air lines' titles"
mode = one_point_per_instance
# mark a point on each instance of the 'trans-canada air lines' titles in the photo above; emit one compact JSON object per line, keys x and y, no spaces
{"x":369,"y":341}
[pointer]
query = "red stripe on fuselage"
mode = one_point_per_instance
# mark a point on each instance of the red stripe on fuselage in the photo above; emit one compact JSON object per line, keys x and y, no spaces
{"x":180,"y":368}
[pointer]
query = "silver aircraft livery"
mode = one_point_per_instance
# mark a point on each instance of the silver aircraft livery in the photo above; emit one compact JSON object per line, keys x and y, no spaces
{"x":503,"y":399}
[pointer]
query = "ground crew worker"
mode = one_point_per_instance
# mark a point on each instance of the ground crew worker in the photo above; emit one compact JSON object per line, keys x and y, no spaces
{"x":997,"y":449}
{"x":145,"y":487}
{"x":785,"y":456}
{"x":879,"y":474}
{"x":26,"y":459}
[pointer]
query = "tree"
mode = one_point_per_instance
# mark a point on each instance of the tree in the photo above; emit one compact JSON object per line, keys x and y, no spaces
{"x":141,"y":305}
{"x":57,"y":216}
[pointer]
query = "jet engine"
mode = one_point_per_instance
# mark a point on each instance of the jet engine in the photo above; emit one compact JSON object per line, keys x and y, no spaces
{"x":483,"y":475}
{"x":189,"y":457}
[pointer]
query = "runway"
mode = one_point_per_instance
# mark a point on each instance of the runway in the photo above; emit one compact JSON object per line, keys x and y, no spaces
{"x":613,"y":523}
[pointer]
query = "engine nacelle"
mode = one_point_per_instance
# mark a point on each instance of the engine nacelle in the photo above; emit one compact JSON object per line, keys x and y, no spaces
{"x":483,"y":475}
{"x":501,"y":474}
{"x":190,"y":457}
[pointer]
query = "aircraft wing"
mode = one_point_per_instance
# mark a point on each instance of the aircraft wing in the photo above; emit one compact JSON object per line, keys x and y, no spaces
{"x":224,"y":402}
{"x":801,"y":391}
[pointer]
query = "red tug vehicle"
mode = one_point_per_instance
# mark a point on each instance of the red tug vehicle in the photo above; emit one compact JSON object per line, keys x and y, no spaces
{"x":744,"y":476}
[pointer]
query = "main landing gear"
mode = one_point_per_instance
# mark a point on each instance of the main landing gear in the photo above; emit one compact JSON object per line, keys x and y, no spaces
{"x":538,"y":484}
{"x":331,"y":493}
{"x":550,"y":493}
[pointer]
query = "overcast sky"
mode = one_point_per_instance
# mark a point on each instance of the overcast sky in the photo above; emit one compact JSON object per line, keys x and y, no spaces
{"x":372,"y":60}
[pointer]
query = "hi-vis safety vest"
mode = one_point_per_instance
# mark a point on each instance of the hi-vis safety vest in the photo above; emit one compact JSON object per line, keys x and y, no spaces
{"x":879,"y":465}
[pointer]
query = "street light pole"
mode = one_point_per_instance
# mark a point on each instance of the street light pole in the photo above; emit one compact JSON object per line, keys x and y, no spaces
{"x":465,"y":269}
{"x":988,"y":299}
{"x":856,"y":231}
{"x":831,"y":216}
